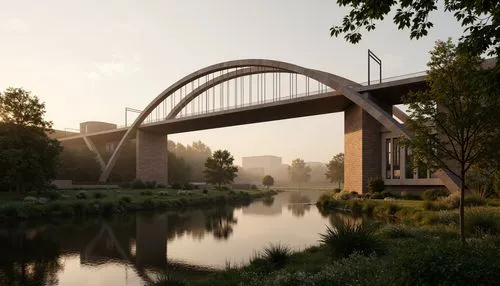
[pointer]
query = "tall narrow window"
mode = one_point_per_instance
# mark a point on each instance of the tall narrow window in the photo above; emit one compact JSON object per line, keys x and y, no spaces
{"x":388,"y":158}
{"x":396,"y":162}
{"x":408,"y":164}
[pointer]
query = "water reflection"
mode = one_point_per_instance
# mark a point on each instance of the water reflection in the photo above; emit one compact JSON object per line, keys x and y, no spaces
{"x":299,"y":203}
{"x":137,"y":246}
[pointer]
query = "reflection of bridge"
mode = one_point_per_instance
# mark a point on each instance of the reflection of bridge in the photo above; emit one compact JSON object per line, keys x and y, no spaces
{"x":251,"y":91}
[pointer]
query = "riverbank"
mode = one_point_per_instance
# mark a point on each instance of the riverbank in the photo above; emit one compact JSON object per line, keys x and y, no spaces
{"x":75,"y":204}
{"x":406,"y":245}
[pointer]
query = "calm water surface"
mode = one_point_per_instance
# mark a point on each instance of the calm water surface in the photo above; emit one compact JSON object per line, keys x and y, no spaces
{"x":130,"y":250}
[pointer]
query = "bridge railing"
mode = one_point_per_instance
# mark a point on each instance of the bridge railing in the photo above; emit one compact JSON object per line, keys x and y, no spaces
{"x":280,"y":98}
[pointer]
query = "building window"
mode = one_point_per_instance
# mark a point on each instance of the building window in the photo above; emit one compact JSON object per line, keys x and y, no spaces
{"x":388,"y":158}
{"x":396,"y":156}
{"x":408,"y":164}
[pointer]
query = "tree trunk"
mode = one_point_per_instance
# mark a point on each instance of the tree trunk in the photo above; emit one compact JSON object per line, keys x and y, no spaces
{"x":462,"y":202}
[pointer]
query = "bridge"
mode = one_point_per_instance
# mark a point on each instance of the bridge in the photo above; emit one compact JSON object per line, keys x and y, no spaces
{"x":258,"y":90}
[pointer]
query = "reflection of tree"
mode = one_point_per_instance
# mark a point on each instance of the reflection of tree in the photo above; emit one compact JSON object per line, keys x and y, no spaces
{"x":29,"y":260}
{"x":299,"y":204}
{"x":268,"y":201}
{"x":220,"y":222}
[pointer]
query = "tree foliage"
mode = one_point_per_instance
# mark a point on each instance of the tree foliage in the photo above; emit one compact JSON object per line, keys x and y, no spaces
{"x":18,"y":106}
{"x":219,"y":168}
{"x":335,"y":172}
{"x":455,"y":121}
{"x":78,"y":165}
{"x":268,"y":181}
{"x":28,"y":158}
{"x":194,"y":157}
{"x":179,"y":170}
{"x":480,"y":20}
{"x":299,"y":172}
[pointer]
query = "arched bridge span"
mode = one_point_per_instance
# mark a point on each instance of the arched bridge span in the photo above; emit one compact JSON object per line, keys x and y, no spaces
{"x":198,"y":83}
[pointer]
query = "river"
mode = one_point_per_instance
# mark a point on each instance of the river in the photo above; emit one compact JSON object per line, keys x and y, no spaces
{"x":131,"y":249}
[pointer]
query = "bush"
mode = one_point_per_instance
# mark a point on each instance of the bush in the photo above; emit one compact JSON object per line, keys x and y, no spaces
{"x":79,"y":209}
{"x":277,"y":255}
{"x":376,"y":185}
{"x":138,"y":184}
{"x":176,"y":186}
{"x":107,"y":208}
{"x":398,"y":231}
{"x":98,"y":195}
{"x":161,"y":186}
{"x":385,"y":209}
{"x":148,"y":204}
{"x":343,"y":196}
{"x":81,"y":195}
{"x":146,"y":193}
{"x":482,"y":223}
{"x":474,"y":200}
{"x":205,"y":191}
{"x":409,"y":196}
{"x":52,"y":195}
{"x":253,"y":187}
{"x":125,"y":185}
{"x":376,"y":196}
{"x":337,"y":190}
{"x":348,"y":237}
{"x":150,"y":184}
{"x":126,"y":199}
{"x":386,"y":194}
{"x":188,"y":187}
{"x":434,"y":194}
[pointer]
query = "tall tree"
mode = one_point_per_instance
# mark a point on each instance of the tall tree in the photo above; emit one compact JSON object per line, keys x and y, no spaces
{"x":78,"y":165}
{"x":299,"y":172}
{"x":335,"y":168}
{"x":28,"y":158}
{"x":455,"y":121}
{"x":219,"y":168}
{"x":268,"y":181}
{"x":479,"y":18}
{"x":18,"y":106}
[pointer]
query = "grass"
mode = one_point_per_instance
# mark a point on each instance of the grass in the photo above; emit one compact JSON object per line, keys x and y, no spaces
{"x":106,"y":202}
{"x":277,"y":255}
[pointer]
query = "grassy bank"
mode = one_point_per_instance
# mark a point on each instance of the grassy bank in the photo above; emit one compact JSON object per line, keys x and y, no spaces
{"x":409,"y":243}
{"x":68,"y":204}
{"x":376,"y":255}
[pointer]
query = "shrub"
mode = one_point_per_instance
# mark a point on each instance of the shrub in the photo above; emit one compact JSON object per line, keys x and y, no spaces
{"x":376,"y":196}
{"x":138,"y":184}
{"x":348,"y":237}
{"x":409,"y":196}
{"x":107,"y":208}
{"x":376,"y":185}
{"x":52,"y":195}
{"x":385,"y":209}
{"x":146,"y":193}
{"x":343,"y":196}
{"x":277,"y":255}
{"x":150,"y":184}
{"x":386,"y":194}
{"x":79,"y":209}
{"x":176,"y":186}
{"x":188,"y":186}
{"x":205,"y":191}
{"x":98,"y":195}
{"x":126,"y":185}
{"x":434,"y":194}
{"x":482,"y":223}
{"x":397,"y":231}
{"x":126,"y":199}
{"x":148,"y":204}
{"x":474,"y":200}
{"x":161,"y":186}
{"x":337,"y":190}
{"x":81,"y":195}
{"x":253,"y":187}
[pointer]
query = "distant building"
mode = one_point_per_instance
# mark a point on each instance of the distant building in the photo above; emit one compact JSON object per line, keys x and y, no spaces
{"x":262,"y":165}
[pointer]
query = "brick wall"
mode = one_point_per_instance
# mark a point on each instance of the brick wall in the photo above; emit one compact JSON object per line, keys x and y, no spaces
{"x":362,"y":148}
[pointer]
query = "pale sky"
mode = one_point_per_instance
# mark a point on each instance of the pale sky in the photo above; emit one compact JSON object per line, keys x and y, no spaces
{"x":88,"y":60}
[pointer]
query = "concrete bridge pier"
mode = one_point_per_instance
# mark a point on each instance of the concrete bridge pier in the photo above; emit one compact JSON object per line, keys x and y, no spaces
{"x":151,"y":151}
{"x":362,"y":149}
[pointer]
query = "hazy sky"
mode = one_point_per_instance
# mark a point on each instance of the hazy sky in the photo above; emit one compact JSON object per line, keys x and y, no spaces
{"x":88,"y":60}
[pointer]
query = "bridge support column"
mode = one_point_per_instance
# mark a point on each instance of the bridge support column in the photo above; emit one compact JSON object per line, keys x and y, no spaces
{"x":151,"y":160}
{"x":362,"y":149}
